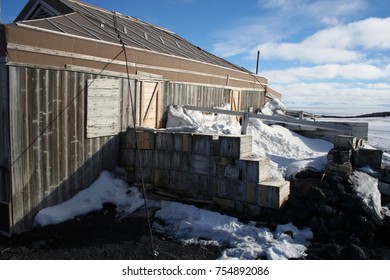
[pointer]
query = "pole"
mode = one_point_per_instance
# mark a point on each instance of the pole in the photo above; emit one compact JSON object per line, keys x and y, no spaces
{"x":257,"y":63}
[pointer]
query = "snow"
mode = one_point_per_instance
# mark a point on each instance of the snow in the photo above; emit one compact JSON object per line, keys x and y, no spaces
{"x":186,"y":223}
{"x":192,"y":225}
{"x":273,"y":107}
{"x":289,"y":152}
{"x":181,"y":119}
{"x":367,"y":189}
{"x":105,"y":189}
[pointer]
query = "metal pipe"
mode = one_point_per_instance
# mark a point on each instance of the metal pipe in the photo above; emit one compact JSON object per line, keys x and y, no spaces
{"x":257,"y":63}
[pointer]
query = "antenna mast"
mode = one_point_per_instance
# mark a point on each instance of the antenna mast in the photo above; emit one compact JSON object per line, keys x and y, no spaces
{"x":257,"y":63}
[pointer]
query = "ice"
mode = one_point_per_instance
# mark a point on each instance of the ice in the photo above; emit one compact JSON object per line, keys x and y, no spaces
{"x":367,"y":189}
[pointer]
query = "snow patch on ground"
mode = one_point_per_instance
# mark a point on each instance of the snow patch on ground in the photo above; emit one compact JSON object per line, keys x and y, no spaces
{"x":105,"y":189}
{"x":192,"y":225}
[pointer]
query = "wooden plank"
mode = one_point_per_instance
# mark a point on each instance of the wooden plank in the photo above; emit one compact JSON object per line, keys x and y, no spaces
{"x":162,"y":159}
{"x":182,"y":142}
{"x":29,"y":157}
{"x":202,"y":165}
{"x":254,"y":170}
{"x":179,"y":161}
{"x":125,"y":102}
{"x":46,"y":132}
{"x":164,"y":141}
{"x":235,"y":146}
{"x":72,"y":129}
{"x":103,"y":104}
{"x":160,"y":177}
{"x":277,"y":119}
{"x":37,"y":187}
{"x":65,"y":172}
{"x":5,"y":182}
{"x":206,"y":188}
{"x":55,"y":160}
{"x":150,"y":104}
{"x":273,"y":194}
{"x":204,"y":144}
{"x":81,"y":178}
{"x":17,"y":198}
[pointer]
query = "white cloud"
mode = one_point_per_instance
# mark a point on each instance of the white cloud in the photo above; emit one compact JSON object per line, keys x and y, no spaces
{"x":329,"y":12}
{"x":353,"y":72}
{"x":334,"y":94}
{"x":344,"y":43}
{"x":368,"y":33}
{"x":307,"y":52}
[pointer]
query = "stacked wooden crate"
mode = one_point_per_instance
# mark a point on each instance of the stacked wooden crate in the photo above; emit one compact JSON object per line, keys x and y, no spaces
{"x":204,"y":166}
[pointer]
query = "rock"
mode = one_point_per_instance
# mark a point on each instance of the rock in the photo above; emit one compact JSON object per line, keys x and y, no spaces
{"x":336,"y":222}
{"x":326,"y":211}
{"x":323,"y":231}
{"x":38,"y":244}
{"x":337,"y":236}
{"x":352,"y":252}
{"x":335,"y":169}
{"x":332,"y":195}
{"x":314,"y":223}
{"x":351,"y":203}
{"x":316,"y":194}
{"x":321,"y":251}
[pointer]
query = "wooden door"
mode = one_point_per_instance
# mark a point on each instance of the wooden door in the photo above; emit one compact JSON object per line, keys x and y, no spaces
{"x":235,"y":99}
{"x":150,"y":104}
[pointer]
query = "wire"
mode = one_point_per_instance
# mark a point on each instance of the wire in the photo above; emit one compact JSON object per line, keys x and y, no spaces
{"x":60,"y":113}
{"x":154,"y":252}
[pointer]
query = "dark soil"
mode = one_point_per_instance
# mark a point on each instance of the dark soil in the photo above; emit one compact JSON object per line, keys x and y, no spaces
{"x":98,"y":237}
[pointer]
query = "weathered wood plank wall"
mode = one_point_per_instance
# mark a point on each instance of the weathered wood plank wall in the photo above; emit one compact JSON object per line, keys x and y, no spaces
{"x":5,"y":183}
{"x":4,"y":132}
{"x":252,"y":98}
{"x":51,"y":159}
{"x":207,"y":96}
{"x":197,"y":95}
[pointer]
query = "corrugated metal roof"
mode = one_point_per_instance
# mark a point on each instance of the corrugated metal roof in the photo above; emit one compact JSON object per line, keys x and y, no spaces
{"x":96,"y":23}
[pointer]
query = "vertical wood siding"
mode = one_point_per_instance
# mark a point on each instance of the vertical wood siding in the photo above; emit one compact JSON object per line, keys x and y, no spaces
{"x":5,"y":183}
{"x":51,"y":159}
{"x":206,"y":96}
{"x":254,"y":99}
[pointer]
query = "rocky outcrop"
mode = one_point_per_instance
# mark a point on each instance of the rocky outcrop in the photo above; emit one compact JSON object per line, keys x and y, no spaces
{"x":344,"y":226}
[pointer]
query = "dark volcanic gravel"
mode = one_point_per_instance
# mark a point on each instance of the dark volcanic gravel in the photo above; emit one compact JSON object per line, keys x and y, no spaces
{"x":98,"y":237}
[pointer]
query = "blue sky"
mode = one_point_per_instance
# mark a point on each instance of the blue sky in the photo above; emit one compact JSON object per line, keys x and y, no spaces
{"x":315,"y":52}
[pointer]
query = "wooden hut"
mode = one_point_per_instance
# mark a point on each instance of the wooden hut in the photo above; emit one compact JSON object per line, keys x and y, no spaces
{"x":72,"y":77}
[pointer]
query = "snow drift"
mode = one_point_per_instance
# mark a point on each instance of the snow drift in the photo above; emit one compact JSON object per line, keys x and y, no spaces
{"x":289,"y":152}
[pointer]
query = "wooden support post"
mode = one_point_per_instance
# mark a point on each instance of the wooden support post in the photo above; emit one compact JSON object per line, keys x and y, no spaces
{"x":245,"y":123}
